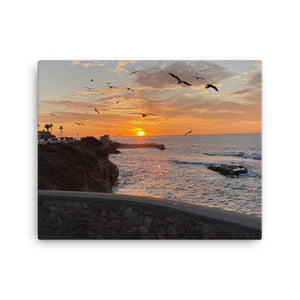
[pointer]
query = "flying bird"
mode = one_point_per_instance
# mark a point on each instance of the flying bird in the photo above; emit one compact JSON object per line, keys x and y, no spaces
{"x":198,"y":77}
{"x":130,"y":89}
{"x":211,"y":86}
{"x":92,"y":80}
{"x":96,"y":110}
{"x":52,"y":114}
{"x":89,"y":88}
{"x":77,"y":123}
{"x":111,"y":86}
{"x":144,"y":115}
{"x":179,"y":80}
{"x":188,"y":132}
{"x":133,"y":72}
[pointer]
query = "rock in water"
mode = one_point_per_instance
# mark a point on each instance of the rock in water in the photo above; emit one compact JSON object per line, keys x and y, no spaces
{"x":229,"y":170}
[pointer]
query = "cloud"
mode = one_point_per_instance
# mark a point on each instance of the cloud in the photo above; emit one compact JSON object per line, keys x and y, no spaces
{"x":259,"y":64}
{"x":255,"y":79}
{"x":88,"y":63}
{"x":121,"y":66}
{"x":100,"y":64}
{"x":157,"y":92}
{"x":59,"y":105}
{"x":242,"y":91}
{"x":157,"y":74}
{"x":186,"y":94}
{"x":112,"y":98}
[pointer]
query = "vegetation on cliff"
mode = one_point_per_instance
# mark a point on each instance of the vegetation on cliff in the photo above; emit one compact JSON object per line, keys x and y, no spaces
{"x":80,"y":166}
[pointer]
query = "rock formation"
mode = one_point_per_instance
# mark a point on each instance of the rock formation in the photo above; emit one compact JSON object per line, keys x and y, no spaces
{"x":81,"y":166}
{"x":229,"y":169}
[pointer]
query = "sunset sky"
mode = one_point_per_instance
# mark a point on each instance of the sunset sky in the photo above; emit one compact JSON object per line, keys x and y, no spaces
{"x":65,"y":97}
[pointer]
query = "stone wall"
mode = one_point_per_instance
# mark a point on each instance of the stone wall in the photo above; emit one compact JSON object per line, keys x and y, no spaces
{"x":78,"y":215}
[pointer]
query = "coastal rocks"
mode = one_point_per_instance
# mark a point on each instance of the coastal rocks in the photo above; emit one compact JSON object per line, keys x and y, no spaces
{"x":229,"y":169}
{"x":81,"y":166}
{"x":111,"y":148}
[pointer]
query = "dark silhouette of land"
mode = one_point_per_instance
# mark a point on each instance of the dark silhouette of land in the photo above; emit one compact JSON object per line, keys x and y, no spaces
{"x":147,"y":145}
{"x":79,"y":166}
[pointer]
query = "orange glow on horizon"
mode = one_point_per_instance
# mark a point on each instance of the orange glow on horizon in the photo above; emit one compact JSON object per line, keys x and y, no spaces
{"x":73,"y":130}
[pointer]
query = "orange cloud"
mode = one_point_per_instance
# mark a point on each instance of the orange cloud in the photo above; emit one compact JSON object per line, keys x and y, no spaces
{"x":176,"y":106}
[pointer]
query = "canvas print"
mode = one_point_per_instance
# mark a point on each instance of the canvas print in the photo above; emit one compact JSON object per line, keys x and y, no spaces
{"x":149,"y":149}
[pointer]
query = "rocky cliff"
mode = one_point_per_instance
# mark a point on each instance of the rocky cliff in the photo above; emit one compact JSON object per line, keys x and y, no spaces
{"x":80,"y":166}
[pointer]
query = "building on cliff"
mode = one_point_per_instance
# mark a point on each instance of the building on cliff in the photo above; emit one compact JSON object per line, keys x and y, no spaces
{"x":105,"y":139}
{"x":45,"y":135}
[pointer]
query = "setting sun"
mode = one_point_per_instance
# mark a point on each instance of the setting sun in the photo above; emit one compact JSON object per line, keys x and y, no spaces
{"x":141,"y":133}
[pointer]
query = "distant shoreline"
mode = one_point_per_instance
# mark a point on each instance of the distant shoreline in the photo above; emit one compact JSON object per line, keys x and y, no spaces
{"x":145,"y":136}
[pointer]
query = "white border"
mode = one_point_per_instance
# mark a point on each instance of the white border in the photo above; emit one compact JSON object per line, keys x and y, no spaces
{"x":35,"y":269}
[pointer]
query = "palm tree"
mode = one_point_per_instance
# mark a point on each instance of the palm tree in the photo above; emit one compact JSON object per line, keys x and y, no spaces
{"x":47,"y":126}
{"x":61,"y":129}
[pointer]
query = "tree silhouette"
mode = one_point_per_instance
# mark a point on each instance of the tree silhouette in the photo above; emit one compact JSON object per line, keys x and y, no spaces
{"x":50,"y":126}
{"x":47,"y":126}
{"x":61,"y":129}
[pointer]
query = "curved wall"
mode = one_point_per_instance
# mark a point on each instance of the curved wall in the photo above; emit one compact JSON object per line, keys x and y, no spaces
{"x":85,"y":215}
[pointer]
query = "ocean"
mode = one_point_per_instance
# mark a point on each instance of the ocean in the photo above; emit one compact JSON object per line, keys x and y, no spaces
{"x":180,"y":171}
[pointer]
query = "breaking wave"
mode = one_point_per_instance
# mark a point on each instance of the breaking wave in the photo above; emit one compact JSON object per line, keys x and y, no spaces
{"x":193,"y":162}
{"x":236,"y":154}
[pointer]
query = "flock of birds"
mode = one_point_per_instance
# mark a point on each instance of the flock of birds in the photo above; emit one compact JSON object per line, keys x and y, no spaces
{"x":197,"y":77}
{"x":179,"y":81}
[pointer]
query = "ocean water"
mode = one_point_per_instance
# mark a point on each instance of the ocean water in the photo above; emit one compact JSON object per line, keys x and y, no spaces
{"x":180,"y":172}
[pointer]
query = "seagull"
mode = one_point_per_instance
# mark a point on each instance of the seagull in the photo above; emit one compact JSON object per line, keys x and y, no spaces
{"x":198,"y":77}
{"x":130,"y":89}
{"x":111,"y":86}
{"x":133,"y":72}
{"x":92,"y":80}
{"x":179,"y":80}
{"x":188,"y":132}
{"x":89,"y":88}
{"x":96,"y":110}
{"x":211,"y":86}
{"x":77,"y":123}
{"x":144,"y":115}
{"x":52,"y":114}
